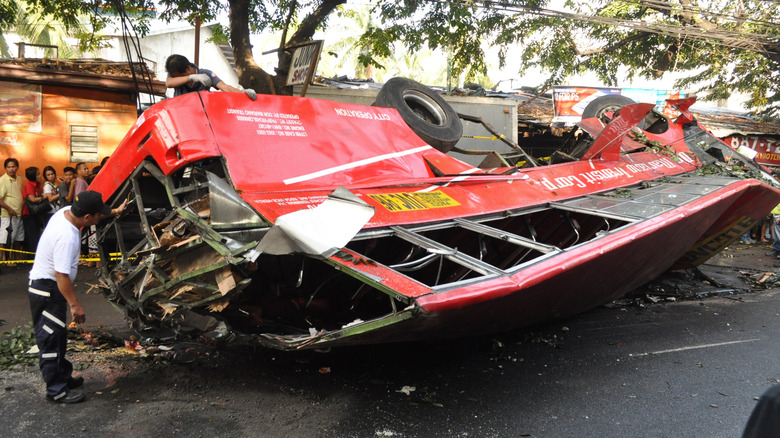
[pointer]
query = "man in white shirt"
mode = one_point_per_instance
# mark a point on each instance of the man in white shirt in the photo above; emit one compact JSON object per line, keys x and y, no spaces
{"x":51,"y":290}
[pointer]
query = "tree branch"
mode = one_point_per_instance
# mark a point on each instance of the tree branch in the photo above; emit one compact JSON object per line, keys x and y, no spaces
{"x":306,"y":31}
{"x":617,"y":45}
{"x":690,"y":18}
{"x":250,"y":75}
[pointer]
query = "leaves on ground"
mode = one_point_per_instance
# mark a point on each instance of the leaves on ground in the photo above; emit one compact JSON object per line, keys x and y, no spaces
{"x":14,"y":346}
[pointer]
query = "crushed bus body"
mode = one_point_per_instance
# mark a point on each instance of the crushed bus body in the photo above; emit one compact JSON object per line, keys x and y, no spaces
{"x":301,"y":223}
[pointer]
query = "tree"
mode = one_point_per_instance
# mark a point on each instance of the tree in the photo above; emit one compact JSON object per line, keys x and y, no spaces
{"x":35,"y":28}
{"x":725,"y":45}
{"x":722,"y":46}
{"x":82,"y":19}
{"x":353,"y":23}
{"x":458,"y":26}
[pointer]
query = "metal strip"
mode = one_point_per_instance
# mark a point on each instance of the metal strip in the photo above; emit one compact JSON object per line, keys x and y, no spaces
{"x":600,"y":213}
{"x":450,"y":253}
{"x":504,"y":235}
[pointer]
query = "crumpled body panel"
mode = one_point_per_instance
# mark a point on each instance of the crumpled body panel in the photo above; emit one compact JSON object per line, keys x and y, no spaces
{"x":302,"y":223}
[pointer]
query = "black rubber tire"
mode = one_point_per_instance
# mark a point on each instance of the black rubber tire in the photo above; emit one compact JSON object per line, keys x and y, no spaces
{"x":603,"y":104}
{"x":426,"y":113}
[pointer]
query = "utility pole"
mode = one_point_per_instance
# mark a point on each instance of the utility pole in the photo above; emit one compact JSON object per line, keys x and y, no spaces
{"x":197,"y":42}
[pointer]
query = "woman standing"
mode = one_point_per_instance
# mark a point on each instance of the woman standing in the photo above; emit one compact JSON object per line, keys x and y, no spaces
{"x":51,"y":192}
{"x":32,"y":192}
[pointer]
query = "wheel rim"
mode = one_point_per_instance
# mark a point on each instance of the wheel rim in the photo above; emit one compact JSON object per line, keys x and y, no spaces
{"x":611,"y":108}
{"x":425,"y":108}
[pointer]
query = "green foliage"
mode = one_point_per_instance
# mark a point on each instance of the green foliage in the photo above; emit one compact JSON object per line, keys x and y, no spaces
{"x":51,"y":21}
{"x":219,"y":34}
{"x":722,"y":46}
{"x":190,"y":10}
{"x":745,"y":60}
{"x":8,"y":11}
{"x":459,"y":28}
{"x":736,"y":170}
{"x":14,"y":346}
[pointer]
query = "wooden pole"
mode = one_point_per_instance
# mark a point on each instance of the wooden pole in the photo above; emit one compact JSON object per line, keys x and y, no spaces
{"x":197,"y":42}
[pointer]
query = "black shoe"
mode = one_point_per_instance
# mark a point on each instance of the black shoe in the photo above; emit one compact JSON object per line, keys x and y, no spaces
{"x":773,"y":253}
{"x":75,"y":382}
{"x":68,"y":397}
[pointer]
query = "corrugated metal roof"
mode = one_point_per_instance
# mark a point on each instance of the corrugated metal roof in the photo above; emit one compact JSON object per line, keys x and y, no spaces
{"x":80,"y":73}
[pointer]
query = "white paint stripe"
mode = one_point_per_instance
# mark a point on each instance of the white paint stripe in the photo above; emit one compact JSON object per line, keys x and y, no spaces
{"x":48,"y":329}
{"x":431,"y":188}
{"x":35,"y":291}
{"x":352,"y":165}
{"x":49,"y":355}
{"x":53,"y":318}
{"x":456,"y":179}
{"x":692,"y":347}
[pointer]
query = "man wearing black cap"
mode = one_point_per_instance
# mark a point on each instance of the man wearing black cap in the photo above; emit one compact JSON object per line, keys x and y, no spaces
{"x":51,"y":290}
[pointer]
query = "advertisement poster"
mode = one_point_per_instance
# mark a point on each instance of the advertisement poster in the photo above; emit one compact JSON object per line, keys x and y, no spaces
{"x":20,"y":107}
{"x":569,"y":102}
{"x":658,"y":97}
{"x":767,"y":149}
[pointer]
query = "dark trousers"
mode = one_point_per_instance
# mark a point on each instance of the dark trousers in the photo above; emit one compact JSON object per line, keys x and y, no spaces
{"x":32,"y":231}
{"x":49,"y":309}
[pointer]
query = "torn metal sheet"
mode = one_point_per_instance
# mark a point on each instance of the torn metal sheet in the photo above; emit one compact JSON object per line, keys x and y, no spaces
{"x":320,"y":231}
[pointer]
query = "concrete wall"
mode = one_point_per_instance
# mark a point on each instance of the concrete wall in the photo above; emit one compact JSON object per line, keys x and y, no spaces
{"x":180,"y":39}
{"x":159,"y":46}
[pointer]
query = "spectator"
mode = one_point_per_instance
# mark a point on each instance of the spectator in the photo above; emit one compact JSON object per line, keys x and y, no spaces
{"x":766,"y":229}
{"x":11,"y":201}
{"x":185,"y":77}
{"x":51,"y":192}
{"x":32,"y":192}
{"x":96,"y":170}
{"x":93,"y":174}
{"x":80,"y":183}
{"x":775,"y":232}
{"x":66,"y":195}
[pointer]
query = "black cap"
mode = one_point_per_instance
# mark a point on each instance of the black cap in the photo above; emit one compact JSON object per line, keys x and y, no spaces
{"x":89,"y":202}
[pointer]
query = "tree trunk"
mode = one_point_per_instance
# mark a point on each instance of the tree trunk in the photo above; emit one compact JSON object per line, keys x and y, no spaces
{"x":250,"y":75}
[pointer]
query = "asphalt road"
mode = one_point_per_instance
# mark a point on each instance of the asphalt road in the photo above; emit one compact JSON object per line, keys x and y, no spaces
{"x":671,"y":369}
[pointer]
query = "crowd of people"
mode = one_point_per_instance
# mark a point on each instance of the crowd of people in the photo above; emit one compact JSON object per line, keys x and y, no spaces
{"x":27,"y":203}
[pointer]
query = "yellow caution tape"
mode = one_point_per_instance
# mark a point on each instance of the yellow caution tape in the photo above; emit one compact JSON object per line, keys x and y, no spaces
{"x":483,"y":138}
{"x":86,"y":258}
{"x":13,"y":262}
{"x":16,"y":250}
